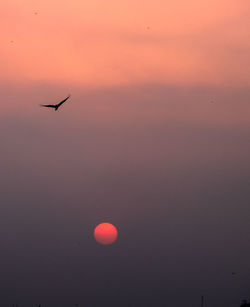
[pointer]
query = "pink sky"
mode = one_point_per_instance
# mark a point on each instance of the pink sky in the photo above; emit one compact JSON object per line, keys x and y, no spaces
{"x":154,"y":139}
{"x":99,"y":43}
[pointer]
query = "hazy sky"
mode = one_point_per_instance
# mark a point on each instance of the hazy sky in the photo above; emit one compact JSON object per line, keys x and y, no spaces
{"x":154,"y":139}
{"x":122,"y":42}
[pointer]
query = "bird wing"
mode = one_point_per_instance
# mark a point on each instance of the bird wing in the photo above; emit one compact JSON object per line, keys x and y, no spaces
{"x":48,"y":105}
{"x":60,"y":103}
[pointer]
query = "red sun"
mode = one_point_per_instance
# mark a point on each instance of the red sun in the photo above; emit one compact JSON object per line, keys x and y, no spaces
{"x":105,"y":233}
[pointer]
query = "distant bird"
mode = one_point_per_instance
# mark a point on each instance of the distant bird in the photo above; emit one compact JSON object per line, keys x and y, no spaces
{"x":233,"y":273}
{"x":55,"y":106}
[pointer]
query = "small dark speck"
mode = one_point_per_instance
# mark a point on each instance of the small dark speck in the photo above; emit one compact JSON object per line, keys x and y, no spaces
{"x":148,"y":28}
{"x":36,"y":13}
{"x":12,"y":42}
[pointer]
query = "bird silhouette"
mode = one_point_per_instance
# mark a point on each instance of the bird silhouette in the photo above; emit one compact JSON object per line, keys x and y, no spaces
{"x":55,"y":106}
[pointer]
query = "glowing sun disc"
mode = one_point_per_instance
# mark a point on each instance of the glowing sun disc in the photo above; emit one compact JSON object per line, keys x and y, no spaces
{"x":105,"y":233}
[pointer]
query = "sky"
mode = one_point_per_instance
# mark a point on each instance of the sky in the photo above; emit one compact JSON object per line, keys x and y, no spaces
{"x":154,"y":139}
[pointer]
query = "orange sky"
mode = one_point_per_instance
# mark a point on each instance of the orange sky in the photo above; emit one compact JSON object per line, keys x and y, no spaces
{"x":99,"y":43}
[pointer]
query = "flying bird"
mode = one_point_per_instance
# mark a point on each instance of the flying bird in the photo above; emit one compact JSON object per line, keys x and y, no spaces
{"x":55,"y":106}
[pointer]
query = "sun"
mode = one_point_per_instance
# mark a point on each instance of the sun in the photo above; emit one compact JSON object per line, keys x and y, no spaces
{"x":105,"y":233}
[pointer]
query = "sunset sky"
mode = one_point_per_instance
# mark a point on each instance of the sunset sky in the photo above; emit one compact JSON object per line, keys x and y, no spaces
{"x":154,"y":139}
{"x":100,"y":43}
